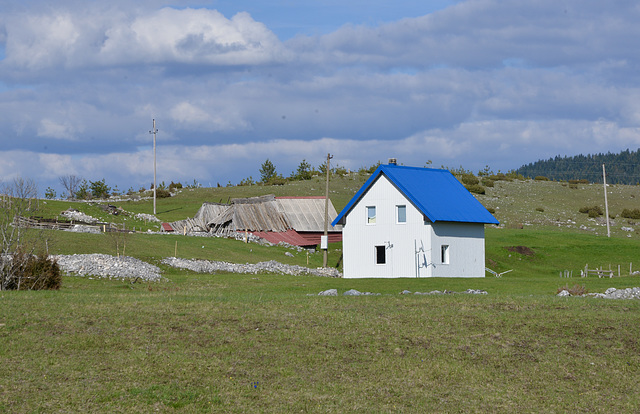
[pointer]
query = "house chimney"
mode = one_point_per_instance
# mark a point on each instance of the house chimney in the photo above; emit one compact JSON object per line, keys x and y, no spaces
{"x":393,"y":161}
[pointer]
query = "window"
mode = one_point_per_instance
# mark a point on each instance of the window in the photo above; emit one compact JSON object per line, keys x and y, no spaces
{"x":444,"y":254}
{"x":381,"y":255}
{"x":371,"y":215}
{"x":401,"y":214}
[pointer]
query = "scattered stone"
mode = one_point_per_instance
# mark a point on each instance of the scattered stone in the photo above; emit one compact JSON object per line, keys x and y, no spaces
{"x":352,"y":292}
{"x":626,"y":228}
{"x":288,"y":254}
{"x":147,"y":217}
{"x":611,"y":293}
{"x":207,"y":266}
{"x":329,"y":292}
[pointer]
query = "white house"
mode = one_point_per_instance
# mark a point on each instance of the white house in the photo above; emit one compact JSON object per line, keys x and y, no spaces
{"x":413,"y":222}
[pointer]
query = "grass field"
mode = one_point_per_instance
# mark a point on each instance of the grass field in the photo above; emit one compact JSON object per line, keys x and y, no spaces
{"x":260,"y":343}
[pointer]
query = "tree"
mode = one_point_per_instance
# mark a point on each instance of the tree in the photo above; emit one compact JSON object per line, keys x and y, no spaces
{"x":83,"y":193}
{"x":99,"y":189}
{"x":303,"y":172}
{"x":267,"y":171}
{"x":50,"y":193}
{"x":70,"y":183}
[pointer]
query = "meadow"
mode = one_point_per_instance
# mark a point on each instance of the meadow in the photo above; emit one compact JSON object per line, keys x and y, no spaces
{"x":268,"y":343}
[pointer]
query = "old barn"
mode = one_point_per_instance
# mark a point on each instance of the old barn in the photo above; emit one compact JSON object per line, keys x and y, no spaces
{"x":295,"y":220}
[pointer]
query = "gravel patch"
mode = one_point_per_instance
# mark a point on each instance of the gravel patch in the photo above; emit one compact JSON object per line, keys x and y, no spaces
{"x":207,"y":266}
{"x":108,"y":267}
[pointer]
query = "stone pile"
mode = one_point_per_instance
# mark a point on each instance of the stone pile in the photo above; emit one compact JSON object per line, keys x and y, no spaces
{"x":207,"y":266}
{"x":76,"y":215}
{"x":108,"y":267}
{"x":447,"y":292}
{"x":611,"y":293}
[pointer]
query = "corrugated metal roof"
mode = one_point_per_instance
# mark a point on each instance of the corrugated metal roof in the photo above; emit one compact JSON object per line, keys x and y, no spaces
{"x":436,"y":193}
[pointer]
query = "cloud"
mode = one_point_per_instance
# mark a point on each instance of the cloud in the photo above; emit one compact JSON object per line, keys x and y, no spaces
{"x":64,"y":38}
{"x":479,"y":82}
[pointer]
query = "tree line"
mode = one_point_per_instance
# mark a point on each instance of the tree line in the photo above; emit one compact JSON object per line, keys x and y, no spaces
{"x":621,"y":168}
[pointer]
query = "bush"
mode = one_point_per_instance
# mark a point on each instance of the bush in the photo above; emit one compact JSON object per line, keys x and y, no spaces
{"x":540,"y":209}
{"x":475,"y":188}
{"x":632,"y":214}
{"x":541,"y":178}
{"x":593,"y":211}
{"x":162,"y":193}
{"x":469,"y":179}
{"x":487,"y":182}
{"x":29,"y":272}
{"x":491,"y":210}
{"x":581,"y":181}
{"x":175,"y":186}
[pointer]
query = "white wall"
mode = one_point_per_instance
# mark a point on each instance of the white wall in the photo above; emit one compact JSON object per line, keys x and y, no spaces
{"x":466,"y":249}
{"x":359,"y":240}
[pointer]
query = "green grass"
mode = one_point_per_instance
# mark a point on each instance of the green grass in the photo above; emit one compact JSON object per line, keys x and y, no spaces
{"x":259,"y":343}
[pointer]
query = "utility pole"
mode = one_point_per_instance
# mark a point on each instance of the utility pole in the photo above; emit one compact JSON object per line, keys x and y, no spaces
{"x":324,"y":243}
{"x":606,"y":205}
{"x":154,"y":131}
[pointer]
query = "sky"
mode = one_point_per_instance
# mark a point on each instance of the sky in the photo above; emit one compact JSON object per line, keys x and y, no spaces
{"x":232,"y":83}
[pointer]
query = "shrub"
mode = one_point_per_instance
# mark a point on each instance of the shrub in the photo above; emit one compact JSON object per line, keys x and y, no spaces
{"x":540,"y":209}
{"x":593,"y":211}
{"x":175,"y":186}
{"x":541,"y":178}
{"x":277,"y":180}
{"x":162,"y":193}
{"x":475,"y":188}
{"x":487,"y":182}
{"x":581,"y":181}
{"x":631,"y":214}
{"x":469,"y":179}
{"x":491,"y":210}
{"x":29,"y":272}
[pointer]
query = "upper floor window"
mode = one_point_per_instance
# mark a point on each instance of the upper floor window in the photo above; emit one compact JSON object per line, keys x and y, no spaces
{"x":371,"y":215}
{"x":401,"y":214}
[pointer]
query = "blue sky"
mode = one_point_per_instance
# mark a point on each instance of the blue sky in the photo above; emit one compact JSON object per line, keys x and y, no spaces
{"x":232,"y":83}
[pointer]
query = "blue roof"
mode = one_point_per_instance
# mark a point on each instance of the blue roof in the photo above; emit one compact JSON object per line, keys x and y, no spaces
{"x":436,"y":193}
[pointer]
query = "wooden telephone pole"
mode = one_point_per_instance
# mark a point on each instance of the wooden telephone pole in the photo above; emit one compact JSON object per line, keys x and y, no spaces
{"x":154,"y":131}
{"x":324,"y":243}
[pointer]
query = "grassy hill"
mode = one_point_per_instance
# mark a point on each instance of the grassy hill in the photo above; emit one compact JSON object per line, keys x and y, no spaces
{"x":267,"y":343}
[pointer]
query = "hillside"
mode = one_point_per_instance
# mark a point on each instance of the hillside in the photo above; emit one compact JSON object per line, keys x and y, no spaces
{"x":621,"y":168}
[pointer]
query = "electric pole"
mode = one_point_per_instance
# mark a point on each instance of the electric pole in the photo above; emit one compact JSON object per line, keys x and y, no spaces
{"x":324,"y":243}
{"x":154,"y":131}
{"x":606,"y":205}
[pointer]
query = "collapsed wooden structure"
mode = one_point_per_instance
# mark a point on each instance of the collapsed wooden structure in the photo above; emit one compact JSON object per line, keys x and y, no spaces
{"x":295,"y":220}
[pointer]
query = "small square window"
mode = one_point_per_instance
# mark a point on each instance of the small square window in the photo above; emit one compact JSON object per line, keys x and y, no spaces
{"x":371,"y":215}
{"x":381,"y":255}
{"x":402,"y":214}
{"x":444,"y":253}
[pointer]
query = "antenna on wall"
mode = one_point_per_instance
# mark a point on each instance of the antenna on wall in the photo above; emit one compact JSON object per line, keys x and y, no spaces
{"x":154,"y":131}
